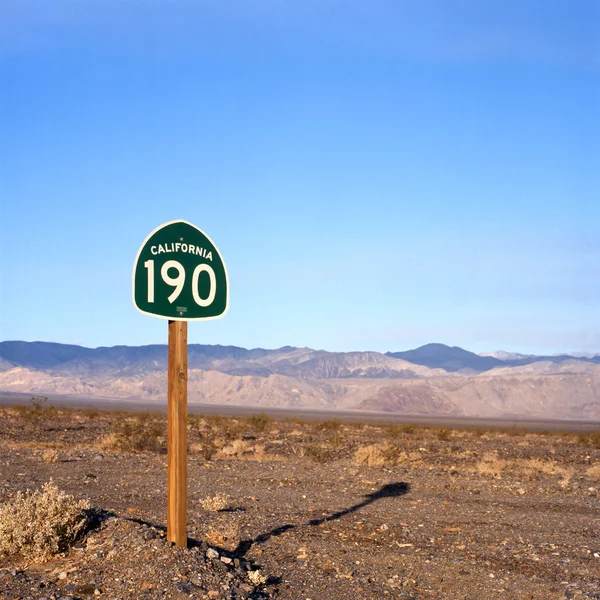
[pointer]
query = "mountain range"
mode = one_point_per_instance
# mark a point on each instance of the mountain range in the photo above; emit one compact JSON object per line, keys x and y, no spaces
{"x":434,"y":379}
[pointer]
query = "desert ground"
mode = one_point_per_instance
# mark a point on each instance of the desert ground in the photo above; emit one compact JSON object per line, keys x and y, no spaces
{"x":303,"y":510}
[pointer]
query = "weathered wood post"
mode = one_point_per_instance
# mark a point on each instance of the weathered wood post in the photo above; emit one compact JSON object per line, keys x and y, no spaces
{"x":177,"y":434}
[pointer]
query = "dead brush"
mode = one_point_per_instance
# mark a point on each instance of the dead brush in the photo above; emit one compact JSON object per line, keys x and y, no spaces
{"x":225,"y":534}
{"x":378,"y":455}
{"x":317,"y":453}
{"x":546,"y":467}
{"x":260,"y":422}
{"x":593,"y":471}
{"x":50,"y":455}
{"x":208,"y":448}
{"x":491,"y":464}
{"x":142,"y":433}
{"x":443,"y":434}
{"x":329,"y":425}
{"x":215,"y":503}
{"x":592,"y":440}
{"x":41,"y":523}
{"x":237,"y":449}
{"x":37,"y":410}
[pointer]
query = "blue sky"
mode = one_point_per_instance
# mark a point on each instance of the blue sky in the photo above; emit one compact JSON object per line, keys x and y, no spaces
{"x":377,"y":175}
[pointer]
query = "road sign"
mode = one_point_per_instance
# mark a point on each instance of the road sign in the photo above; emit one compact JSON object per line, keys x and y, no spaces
{"x":179,"y":275}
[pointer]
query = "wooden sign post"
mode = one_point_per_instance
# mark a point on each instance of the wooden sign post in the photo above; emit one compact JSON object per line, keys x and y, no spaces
{"x":177,"y":434}
{"x":179,"y":275}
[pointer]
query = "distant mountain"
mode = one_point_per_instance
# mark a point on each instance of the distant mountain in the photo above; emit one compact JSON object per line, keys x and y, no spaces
{"x":433,"y":379}
{"x":453,"y":359}
{"x":440,"y":356}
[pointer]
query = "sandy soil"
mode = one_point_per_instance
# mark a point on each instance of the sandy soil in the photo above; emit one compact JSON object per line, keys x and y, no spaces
{"x":321,"y":511}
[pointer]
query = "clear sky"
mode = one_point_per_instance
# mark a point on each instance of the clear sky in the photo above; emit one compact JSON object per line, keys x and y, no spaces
{"x":377,"y":175}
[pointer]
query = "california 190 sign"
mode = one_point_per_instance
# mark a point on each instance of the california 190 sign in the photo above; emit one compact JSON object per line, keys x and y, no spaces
{"x":179,"y":275}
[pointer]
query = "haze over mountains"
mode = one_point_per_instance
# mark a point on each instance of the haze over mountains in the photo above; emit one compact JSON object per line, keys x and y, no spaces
{"x":434,"y":379}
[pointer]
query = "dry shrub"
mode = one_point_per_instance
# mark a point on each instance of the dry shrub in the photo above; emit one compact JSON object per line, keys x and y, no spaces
{"x":37,"y":410}
{"x":225,"y":535}
{"x":329,"y":425}
{"x":260,"y":422}
{"x":566,"y":474}
{"x":215,"y":421}
{"x":317,"y":453}
{"x":215,"y":503}
{"x":260,"y":453}
{"x":50,"y":455}
{"x":207,"y":447}
{"x":537,"y":465}
{"x":237,"y":448}
{"x":257,"y":577}
{"x":377,"y":455}
{"x":373,"y":455}
{"x":491,"y":465}
{"x":41,"y":523}
{"x":590,"y":439}
{"x":443,"y":434}
{"x":142,"y":433}
{"x":234,"y":431}
{"x":594,"y":471}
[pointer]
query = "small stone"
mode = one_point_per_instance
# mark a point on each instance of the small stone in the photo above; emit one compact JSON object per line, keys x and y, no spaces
{"x":213,"y":594}
{"x":521,"y":491}
{"x":212,"y":553}
{"x":97,"y":592}
{"x":150,"y":534}
{"x":226,"y":560}
{"x":247,"y":587}
{"x":62,"y":575}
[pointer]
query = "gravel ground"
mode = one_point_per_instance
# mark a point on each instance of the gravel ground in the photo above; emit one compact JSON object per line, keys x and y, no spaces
{"x":436,"y":514}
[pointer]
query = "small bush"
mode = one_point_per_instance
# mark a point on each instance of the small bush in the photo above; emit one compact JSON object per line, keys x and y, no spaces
{"x":590,"y":439}
{"x":318,"y":453}
{"x":329,"y":425}
{"x":37,"y":410}
{"x":260,"y":422}
{"x":141,"y":433}
{"x":225,"y":534}
{"x":443,"y":434}
{"x":237,"y":448}
{"x":216,"y":421}
{"x":594,"y":471}
{"x":491,"y":465}
{"x":372,"y":455}
{"x":396,"y":431}
{"x":377,"y":455}
{"x":90,"y":413}
{"x":215,"y":503}
{"x":50,"y":455}
{"x":41,"y":523}
{"x":209,"y":448}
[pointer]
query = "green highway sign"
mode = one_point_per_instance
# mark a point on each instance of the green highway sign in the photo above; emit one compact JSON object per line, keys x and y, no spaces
{"x":179,"y":275}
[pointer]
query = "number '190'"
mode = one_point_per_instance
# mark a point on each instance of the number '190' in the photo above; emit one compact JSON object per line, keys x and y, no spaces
{"x":178,"y":282}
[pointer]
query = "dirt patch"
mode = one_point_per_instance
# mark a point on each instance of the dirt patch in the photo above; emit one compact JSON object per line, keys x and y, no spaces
{"x":320,"y":511}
